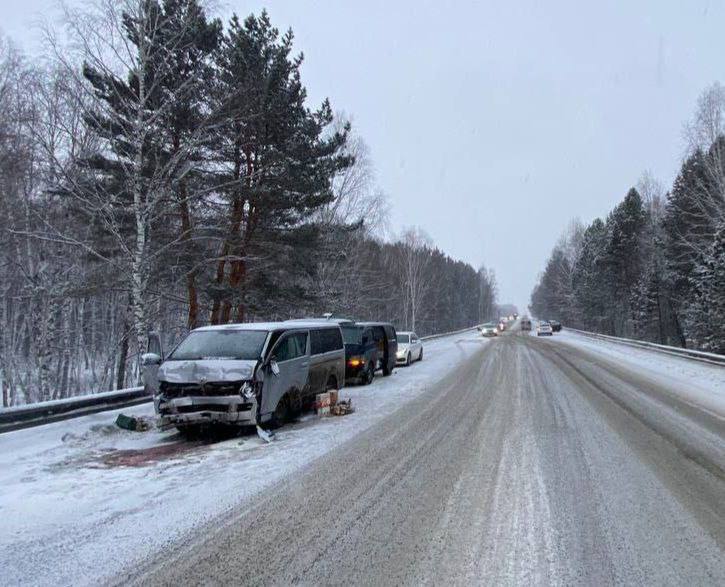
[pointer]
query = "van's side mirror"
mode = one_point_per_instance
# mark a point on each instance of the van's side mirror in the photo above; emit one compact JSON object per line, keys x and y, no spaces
{"x":149,"y":359}
{"x":273,"y":366}
{"x":154,"y":345}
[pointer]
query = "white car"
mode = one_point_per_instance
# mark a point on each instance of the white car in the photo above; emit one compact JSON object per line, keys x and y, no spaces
{"x":489,"y":329}
{"x":410,"y":348}
{"x":544,"y":329}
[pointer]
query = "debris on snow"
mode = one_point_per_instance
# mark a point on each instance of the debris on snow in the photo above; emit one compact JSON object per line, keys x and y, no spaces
{"x":342,"y":408}
{"x":266,"y":435}
{"x":135,"y":424}
{"x":323,"y":403}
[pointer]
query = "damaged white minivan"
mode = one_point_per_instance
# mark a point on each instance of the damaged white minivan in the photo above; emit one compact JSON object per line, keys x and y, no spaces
{"x":243,"y":374}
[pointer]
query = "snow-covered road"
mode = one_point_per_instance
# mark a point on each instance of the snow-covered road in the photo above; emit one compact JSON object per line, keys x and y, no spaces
{"x":82,"y":500}
{"x":516,"y":460}
{"x":541,"y":462}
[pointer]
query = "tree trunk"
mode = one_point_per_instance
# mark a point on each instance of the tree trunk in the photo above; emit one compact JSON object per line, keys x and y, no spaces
{"x":122,"y":358}
{"x":186,"y":228}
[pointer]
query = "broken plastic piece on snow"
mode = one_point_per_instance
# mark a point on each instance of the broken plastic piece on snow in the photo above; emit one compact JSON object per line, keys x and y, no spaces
{"x":266,"y":435}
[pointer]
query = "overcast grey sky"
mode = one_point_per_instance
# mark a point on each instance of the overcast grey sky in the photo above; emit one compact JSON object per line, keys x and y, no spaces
{"x":491,"y":124}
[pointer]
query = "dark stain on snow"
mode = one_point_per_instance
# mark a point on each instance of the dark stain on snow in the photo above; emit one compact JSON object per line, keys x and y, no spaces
{"x":150,"y":456}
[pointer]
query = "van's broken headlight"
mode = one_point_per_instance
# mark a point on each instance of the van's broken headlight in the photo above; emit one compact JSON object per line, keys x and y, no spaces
{"x":246,"y":390}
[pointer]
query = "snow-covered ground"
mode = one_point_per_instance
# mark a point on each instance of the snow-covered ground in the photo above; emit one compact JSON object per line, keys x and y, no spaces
{"x":81,"y":500}
{"x":697,"y":383}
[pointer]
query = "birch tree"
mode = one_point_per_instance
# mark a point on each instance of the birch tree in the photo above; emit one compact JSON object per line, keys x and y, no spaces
{"x":414,"y":263}
{"x":134,"y":94}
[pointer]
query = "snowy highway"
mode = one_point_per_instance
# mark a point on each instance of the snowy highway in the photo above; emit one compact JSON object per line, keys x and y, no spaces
{"x":538,"y":463}
{"x":514,"y":460}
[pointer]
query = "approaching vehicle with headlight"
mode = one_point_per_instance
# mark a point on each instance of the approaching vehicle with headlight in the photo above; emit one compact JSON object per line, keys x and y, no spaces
{"x":544,"y":329}
{"x":410,"y":348}
{"x":489,"y":329}
{"x":243,"y":374}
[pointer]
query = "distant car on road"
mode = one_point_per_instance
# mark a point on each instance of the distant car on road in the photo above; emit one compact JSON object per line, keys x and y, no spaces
{"x":489,"y":329}
{"x":555,"y":325}
{"x":525,"y":324}
{"x":410,"y":348}
{"x":501,"y":326}
{"x":544,"y":329}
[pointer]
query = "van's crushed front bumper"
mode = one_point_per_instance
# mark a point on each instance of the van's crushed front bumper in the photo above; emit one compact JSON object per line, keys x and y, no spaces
{"x":223,"y":403}
{"x":207,"y":409}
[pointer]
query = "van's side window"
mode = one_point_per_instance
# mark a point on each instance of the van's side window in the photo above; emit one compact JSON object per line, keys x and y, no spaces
{"x":325,"y":340}
{"x":367,"y":337}
{"x":292,"y":347}
{"x":334,"y":338}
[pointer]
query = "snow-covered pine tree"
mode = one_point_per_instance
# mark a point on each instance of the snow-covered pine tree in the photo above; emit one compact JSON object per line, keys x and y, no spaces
{"x":707,"y":311}
{"x":622,"y":259}
{"x":276,"y":161}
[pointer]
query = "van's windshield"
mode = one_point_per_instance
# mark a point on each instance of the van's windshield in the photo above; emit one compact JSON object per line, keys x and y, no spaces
{"x":220,"y":344}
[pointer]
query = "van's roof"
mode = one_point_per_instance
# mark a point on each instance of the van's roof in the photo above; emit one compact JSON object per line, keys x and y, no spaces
{"x":267,"y":326}
{"x":325,"y":320}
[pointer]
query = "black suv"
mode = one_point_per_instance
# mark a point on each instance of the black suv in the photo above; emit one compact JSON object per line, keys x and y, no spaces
{"x":555,"y":325}
{"x":361,"y":352}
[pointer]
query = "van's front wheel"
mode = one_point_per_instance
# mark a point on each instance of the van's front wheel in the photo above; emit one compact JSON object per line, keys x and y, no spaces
{"x":190,"y":432}
{"x":368,"y":374}
{"x":282,"y":412}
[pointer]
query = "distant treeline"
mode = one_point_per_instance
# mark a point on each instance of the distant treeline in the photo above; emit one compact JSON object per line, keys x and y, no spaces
{"x":162,"y":170}
{"x":654,"y":269}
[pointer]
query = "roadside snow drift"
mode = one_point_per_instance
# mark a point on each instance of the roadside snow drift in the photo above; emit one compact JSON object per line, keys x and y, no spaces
{"x":82,"y":499}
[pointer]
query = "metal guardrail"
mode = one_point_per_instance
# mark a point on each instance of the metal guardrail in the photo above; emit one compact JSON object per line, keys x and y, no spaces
{"x":444,"y":334}
{"x":703,"y":357}
{"x":18,"y":417}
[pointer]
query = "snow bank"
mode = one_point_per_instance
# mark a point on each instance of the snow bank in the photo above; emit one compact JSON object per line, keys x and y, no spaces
{"x":83,"y":500}
{"x":696,"y":383}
